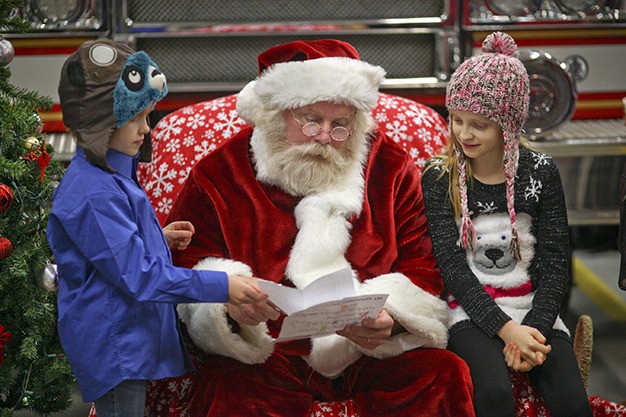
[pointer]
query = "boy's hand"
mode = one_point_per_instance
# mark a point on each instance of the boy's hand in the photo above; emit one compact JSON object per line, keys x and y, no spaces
{"x":244,"y":290}
{"x":246,"y":303}
{"x":178,"y":234}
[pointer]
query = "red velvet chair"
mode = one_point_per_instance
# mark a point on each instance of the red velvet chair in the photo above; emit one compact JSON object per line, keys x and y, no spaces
{"x":183,"y":137}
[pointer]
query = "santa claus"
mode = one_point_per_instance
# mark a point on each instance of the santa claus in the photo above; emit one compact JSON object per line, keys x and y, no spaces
{"x":309,"y":188}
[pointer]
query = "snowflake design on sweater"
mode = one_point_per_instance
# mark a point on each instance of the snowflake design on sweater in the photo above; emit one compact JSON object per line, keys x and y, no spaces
{"x":196,"y":121}
{"x":420,"y":116}
{"x":486,"y":208}
{"x":540,"y":159}
{"x":230,"y":123}
{"x":610,"y":409}
{"x":165,"y":130}
{"x":533,"y":190}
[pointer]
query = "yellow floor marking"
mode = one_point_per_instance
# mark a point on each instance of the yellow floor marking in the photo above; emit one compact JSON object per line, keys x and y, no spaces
{"x":606,"y":298}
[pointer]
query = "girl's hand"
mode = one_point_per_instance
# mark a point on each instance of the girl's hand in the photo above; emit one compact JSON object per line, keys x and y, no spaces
{"x":513,"y":359}
{"x":528,"y":340}
{"x":178,"y":234}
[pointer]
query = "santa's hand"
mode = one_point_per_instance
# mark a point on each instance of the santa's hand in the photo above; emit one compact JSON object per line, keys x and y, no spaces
{"x":372,"y":332}
{"x":252,"y":314}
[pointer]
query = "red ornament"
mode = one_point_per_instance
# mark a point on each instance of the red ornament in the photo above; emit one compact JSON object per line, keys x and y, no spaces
{"x":5,"y":337}
{"x":6,"y":197}
{"x":5,"y":248}
{"x":43,"y":160}
{"x":37,"y":153}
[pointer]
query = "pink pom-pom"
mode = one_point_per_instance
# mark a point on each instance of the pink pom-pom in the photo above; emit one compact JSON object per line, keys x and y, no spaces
{"x":500,"y":43}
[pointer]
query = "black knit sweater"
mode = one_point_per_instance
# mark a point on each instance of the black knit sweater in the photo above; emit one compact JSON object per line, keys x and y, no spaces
{"x":539,"y":193}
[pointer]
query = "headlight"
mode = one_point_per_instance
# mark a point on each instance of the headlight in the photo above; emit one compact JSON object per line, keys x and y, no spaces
{"x":511,"y":7}
{"x":56,"y":11}
{"x":552,"y":93}
{"x":64,"y":15}
{"x":581,"y":6}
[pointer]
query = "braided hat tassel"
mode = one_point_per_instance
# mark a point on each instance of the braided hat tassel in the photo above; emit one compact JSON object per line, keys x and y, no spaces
{"x":511,"y":158}
{"x":467,"y":233}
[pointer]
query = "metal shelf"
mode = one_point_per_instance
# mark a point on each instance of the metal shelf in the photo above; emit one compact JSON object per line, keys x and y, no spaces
{"x":585,"y":138}
{"x":575,"y":148}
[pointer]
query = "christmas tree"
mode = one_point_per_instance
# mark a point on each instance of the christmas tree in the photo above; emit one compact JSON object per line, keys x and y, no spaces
{"x":34,"y":373}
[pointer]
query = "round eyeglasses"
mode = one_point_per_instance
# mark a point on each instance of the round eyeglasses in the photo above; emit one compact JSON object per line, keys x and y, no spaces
{"x":310,"y":129}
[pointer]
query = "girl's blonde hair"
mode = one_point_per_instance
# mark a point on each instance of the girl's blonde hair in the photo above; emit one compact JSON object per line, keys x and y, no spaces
{"x":451,"y":159}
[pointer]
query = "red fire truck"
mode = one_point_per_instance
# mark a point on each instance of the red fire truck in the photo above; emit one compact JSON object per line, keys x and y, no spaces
{"x":574,"y":50}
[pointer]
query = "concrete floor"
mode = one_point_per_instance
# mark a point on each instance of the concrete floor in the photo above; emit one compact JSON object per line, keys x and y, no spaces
{"x":607,"y":307}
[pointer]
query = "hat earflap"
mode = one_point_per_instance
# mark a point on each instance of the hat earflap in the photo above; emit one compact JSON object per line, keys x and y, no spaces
{"x":467,"y":234}
{"x":511,"y":158}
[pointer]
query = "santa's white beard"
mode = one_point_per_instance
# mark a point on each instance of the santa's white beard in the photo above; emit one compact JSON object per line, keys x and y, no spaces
{"x":304,"y":169}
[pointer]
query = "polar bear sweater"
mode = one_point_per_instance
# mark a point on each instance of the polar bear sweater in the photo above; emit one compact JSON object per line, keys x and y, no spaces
{"x":539,"y":202}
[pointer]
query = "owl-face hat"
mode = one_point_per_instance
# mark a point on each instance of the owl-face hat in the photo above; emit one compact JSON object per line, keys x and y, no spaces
{"x":103,"y":85}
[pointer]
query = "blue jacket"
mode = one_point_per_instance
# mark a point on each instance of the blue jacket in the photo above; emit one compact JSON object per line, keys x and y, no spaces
{"x":117,"y":287}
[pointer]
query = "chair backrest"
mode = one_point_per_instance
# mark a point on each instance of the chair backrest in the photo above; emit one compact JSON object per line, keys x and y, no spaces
{"x":185,"y":136}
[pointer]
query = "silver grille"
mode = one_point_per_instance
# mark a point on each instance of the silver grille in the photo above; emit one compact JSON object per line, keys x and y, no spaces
{"x":233,"y":59}
{"x":246,"y":11}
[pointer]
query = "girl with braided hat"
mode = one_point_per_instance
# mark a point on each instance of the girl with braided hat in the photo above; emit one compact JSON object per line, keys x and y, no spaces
{"x":497,"y":217}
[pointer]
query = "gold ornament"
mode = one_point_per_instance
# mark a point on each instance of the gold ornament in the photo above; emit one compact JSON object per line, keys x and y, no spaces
{"x":31,"y":144}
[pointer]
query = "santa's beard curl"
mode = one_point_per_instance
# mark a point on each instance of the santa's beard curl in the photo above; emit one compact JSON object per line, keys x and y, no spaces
{"x":302,"y":169}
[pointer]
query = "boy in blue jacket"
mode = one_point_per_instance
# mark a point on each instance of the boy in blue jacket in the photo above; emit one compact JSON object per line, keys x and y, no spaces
{"x":117,"y":289}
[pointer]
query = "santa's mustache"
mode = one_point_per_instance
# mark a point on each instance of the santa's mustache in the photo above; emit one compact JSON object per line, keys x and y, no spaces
{"x":316,"y":149}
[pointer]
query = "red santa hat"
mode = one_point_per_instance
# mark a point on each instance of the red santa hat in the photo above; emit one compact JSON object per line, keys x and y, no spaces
{"x":299,"y":73}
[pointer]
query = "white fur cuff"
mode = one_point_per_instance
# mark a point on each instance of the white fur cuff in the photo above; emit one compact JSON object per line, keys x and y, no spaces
{"x":330,"y":355}
{"x":208,"y":326}
{"x":423,"y":315}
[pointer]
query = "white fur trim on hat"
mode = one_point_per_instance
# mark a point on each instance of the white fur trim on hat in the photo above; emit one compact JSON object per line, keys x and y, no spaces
{"x":291,"y":85}
{"x":208,"y":326}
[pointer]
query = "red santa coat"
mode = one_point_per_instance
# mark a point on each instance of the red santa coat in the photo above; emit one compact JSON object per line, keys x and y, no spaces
{"x":374,"y":222}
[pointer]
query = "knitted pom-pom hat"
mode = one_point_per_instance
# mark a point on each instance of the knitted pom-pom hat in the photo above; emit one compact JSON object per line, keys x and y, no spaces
{"x":300,"y":73}
{"x":495,"y":85}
